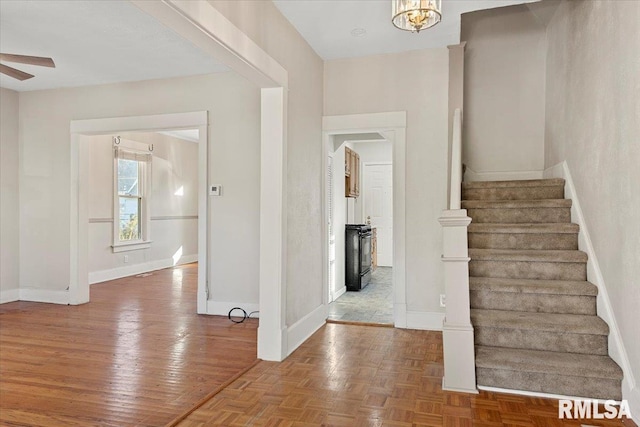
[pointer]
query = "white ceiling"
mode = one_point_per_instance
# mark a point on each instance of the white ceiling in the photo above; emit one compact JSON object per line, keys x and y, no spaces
{"x":327,"y":25}
{"x":94,"y":42}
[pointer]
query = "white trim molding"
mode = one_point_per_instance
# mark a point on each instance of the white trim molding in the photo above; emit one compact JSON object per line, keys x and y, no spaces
{"x":426,"y":320}
{"x":44,"y":295}
{"x":617,"y":351}
{"x":131,"y":270}
{"x":392,"y":126}
{"x":10,"y":295}
{"x":471,"y":175}
{"x":300,"y":331}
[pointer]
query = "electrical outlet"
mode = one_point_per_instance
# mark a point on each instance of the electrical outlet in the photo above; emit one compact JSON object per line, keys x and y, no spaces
{"x":443,"y":302}
{"x":126,"y":259}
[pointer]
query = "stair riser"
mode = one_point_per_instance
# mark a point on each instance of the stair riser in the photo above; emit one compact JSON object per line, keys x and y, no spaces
{"x":514,"y":193}
{"x":529,"y":270}
{"x":541,"y":340}
{"x":525,"y":215}
{"x":595,"y":388}
{"x":523,"y":241}
{"x":534,"y":303}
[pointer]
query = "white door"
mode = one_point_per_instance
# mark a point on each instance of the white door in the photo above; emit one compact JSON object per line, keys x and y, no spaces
{"x":378,"y":204}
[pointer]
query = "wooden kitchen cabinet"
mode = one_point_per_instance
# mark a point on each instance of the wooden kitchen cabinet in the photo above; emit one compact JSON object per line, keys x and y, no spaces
{"x":352,"y":173}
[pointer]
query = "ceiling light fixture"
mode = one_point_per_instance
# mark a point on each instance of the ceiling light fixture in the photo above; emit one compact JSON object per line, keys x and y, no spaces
{"x":415,"y":15}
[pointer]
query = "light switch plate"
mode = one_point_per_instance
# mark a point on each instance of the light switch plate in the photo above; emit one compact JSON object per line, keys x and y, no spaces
{"x":215,"y":190}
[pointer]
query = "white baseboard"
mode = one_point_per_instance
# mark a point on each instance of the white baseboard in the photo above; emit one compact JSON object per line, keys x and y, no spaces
{"x":9,"y":295}
{"x":537,"y":394}
{"x":222,"y":308}
{"x":300,"y":331}
{"x":471,"y":175}
{"x":44,"y":295}
{"x":617,"y":350}
{"x":400,"y":315}
{"x":427,"y":320}
{"x":337,"y":294}
{"x":132,"y":270}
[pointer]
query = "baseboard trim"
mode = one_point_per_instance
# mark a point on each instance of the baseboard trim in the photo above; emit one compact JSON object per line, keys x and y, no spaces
{"x":300,"y":331}
{"x":131,"y":270}
{"x":337,"y":294}
{"x":537,"y":394}
{"x":10,"y":295}
{"x":471,"y":175}
{"x":426,"y":320}
{"x":400,"y":315}
{"x":617,"y":350}
{"x":44,"y":295}
{"x":222,"y":308}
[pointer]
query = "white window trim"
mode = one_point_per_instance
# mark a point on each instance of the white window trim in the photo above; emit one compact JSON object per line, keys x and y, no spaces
{"x":145,"y":189}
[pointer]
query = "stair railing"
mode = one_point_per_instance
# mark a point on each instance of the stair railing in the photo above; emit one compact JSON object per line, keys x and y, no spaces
{"x":457,"y":331}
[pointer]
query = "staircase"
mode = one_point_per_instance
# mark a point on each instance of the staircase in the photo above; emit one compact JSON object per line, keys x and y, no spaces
{"x":533,"y":312}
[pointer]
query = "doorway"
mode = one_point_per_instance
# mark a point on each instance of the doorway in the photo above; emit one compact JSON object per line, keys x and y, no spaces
{"x":79,"y":288}
{"x":378,"y":141}
{"x":143,"y":202}
{"x":361,"y":203}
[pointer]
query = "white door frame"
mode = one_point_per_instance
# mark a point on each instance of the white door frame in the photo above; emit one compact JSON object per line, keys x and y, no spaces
{"x":392,"y":126}
{"x":79,"y":213}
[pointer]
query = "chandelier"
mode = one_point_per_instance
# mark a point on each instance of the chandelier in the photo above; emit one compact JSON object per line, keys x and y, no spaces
{"x":415,"y":15}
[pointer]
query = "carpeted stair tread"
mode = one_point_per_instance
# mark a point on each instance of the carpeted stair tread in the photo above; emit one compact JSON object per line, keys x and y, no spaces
{"x":549,"y":362}
{"x":516,"y":204}
{"x":555,"y":256}
{"x":532,"y":286}
{"x":533,"y":228}
{"x":505,"y":184}
{"x":549,"y":322}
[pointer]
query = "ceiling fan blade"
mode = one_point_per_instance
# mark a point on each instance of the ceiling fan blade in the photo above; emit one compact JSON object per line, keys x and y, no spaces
{"x":16,"y":74}
{"x":31,"y":60}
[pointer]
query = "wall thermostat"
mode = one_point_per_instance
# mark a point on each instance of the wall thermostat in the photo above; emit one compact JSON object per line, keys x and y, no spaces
{"x":215,"y":190}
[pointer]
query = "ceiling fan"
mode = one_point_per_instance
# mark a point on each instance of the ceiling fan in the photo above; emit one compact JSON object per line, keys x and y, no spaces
{"x":23,"y":59}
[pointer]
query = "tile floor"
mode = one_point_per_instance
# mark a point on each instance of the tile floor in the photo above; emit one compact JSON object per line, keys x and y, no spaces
{"x":373,"y":304}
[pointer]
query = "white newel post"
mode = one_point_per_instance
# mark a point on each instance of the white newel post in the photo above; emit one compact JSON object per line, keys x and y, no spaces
{"x":457,"y":331}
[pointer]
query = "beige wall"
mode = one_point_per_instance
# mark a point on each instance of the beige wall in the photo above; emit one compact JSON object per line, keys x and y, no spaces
{"x":415,"y":82}
{"x":172,"y":169}
{"x":234,"y":161}
{"x":266,"y":26}
{"x":9,"y":196}
{"x":503,"y":90}
{"x":593,"y":122}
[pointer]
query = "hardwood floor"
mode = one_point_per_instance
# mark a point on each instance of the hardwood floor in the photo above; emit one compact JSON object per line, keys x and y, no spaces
{"x":136,"y":355}
{"x":347,"y":375}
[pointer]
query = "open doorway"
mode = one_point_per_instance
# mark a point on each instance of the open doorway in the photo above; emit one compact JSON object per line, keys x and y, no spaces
{"x":97,"y":146}
{"x":360,"y":210}
{"x":143,"y":202}
{"x":381,"y":139}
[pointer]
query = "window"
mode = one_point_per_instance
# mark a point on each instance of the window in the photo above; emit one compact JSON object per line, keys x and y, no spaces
{"x":132,"y":172}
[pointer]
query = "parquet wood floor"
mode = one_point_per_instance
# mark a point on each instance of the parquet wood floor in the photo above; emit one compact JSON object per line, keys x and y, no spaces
{"x":347,"y":375}
{"x":137,"y":354}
